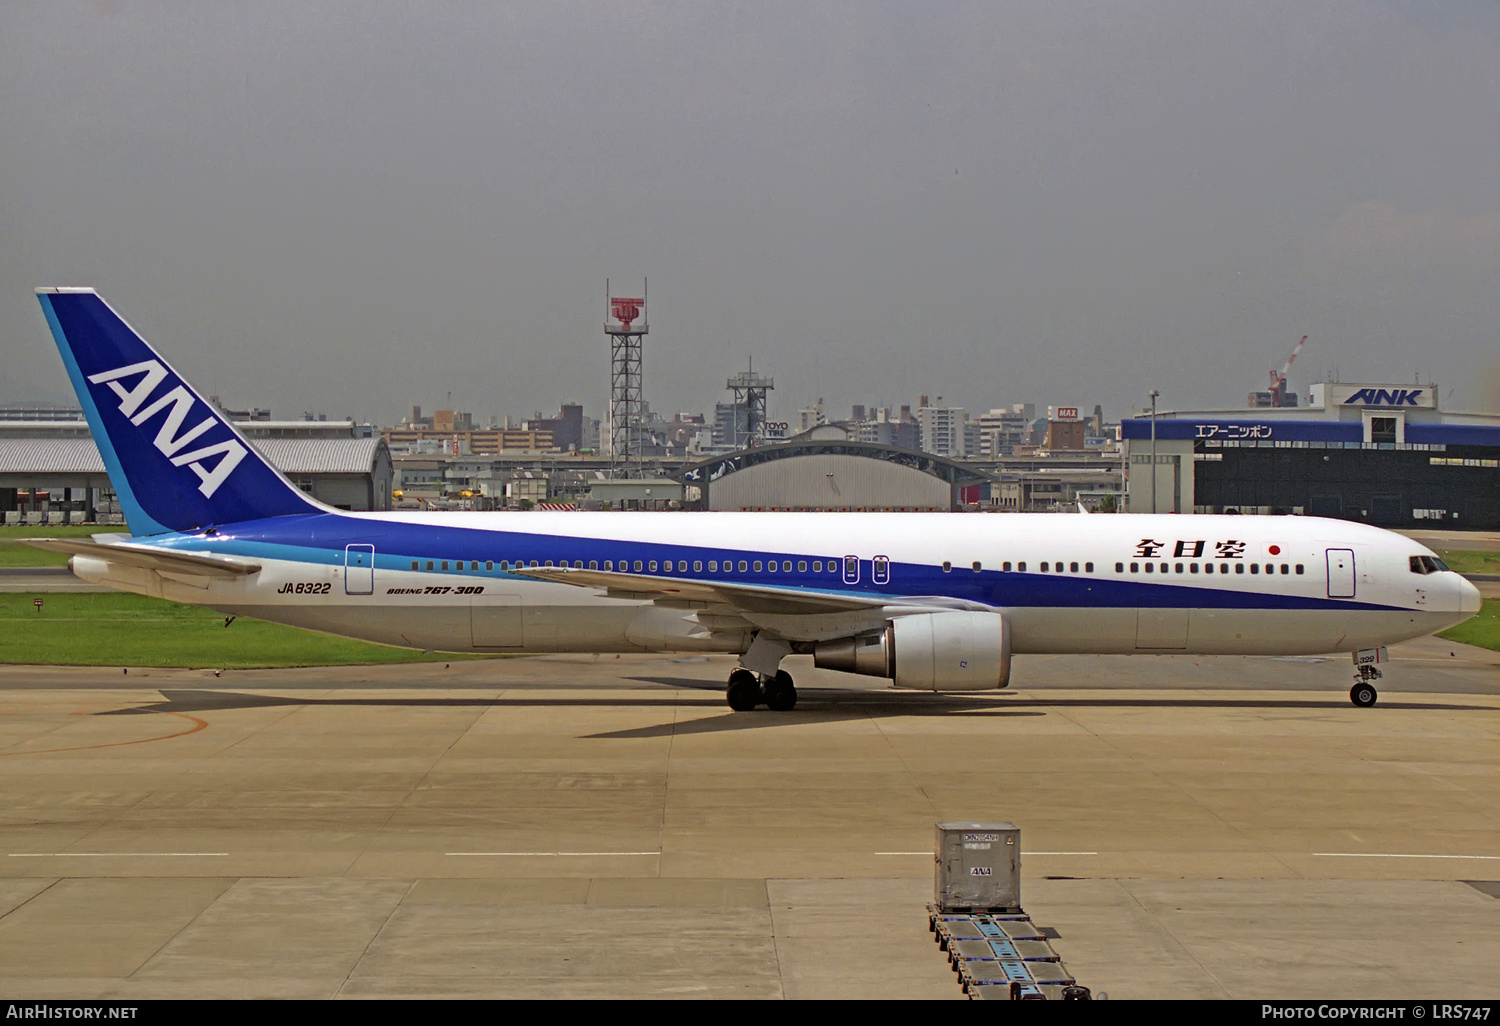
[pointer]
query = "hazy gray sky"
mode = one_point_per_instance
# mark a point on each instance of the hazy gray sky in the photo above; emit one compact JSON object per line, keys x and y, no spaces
{"x":352,"y":208}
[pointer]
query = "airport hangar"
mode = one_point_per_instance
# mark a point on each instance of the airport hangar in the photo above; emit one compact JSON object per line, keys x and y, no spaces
{"x":51,"y":471}
{"x":823,"y":469}
{"x":1386,"y":455}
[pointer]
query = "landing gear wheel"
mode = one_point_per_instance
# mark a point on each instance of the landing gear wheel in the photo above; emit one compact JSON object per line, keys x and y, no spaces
{"x":781,"y":693}
{"x":744,"y":691}
{"x":1363,"y":695}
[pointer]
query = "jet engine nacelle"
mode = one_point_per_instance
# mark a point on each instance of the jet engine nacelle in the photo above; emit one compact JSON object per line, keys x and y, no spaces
{"x":956,"y":650}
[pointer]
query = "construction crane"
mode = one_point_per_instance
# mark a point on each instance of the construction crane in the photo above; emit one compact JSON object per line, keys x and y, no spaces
{"x":1278,"y":395}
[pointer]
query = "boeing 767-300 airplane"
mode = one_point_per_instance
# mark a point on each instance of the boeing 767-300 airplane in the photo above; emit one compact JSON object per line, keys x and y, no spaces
{"x":933,"y":601}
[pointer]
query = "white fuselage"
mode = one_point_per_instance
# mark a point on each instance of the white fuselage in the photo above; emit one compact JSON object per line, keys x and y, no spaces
{"x":1068,"y":583}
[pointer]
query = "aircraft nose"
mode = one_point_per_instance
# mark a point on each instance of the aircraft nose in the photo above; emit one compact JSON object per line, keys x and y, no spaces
{"x":1469,"y":599}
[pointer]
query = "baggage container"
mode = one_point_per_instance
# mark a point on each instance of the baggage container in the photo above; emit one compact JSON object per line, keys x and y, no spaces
{"x":978,"y":867}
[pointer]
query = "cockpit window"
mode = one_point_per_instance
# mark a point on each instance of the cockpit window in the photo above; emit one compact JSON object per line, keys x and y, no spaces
{"x":1427,"y":565}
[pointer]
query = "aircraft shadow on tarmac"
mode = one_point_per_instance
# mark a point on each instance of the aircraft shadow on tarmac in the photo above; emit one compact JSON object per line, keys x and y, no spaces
{"x":925,"y":702}
{"x":815,"y":704}
{"x":184,"y":700}
{"x":843,"y":704}
{"x":189,"y":701}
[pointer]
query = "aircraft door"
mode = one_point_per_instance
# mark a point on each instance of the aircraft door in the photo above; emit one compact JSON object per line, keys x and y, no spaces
{"x":851,"y":569}
{"x":359,"y":569}
{"x":1340,"y":573}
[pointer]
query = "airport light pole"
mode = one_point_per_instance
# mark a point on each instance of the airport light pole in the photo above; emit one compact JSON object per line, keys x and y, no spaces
{"x":1154,"y":394}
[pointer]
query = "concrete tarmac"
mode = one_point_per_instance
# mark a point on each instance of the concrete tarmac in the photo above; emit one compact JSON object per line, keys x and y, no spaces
{"x":1478,"y":541}
{"x":15,"y":579}
{"x":576,"y":827}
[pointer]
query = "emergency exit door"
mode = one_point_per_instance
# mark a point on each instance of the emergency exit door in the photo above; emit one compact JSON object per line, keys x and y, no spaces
{"x":359,"y":569}
{"x":1340,"y":573}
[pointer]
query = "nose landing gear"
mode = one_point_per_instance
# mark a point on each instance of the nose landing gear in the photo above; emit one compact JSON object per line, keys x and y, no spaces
{"x":1365,"y":675}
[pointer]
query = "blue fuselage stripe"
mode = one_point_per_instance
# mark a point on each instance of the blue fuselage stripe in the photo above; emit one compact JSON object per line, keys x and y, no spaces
{"x":321,"y":539}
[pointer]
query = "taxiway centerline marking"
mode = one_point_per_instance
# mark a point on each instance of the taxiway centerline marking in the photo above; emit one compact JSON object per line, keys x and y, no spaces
{"x":1382,"y":855}
{"x":1023,"y":853}
{"x":542,"y":854}
{"x":114,"y":854}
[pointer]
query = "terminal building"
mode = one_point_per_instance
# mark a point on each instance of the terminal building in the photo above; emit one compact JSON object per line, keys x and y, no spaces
{"x":1386,"y":455}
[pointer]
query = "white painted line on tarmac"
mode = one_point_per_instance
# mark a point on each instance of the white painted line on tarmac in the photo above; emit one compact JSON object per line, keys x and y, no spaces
{"x":116,"y":854}
{"x":545,"y":854}
{"x":1023,"y":853}
{"x":1380,"y":855}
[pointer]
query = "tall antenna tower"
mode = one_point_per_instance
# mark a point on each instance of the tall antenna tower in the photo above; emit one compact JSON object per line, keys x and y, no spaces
{"x":626,"y":325}
{"x":750,"y":390}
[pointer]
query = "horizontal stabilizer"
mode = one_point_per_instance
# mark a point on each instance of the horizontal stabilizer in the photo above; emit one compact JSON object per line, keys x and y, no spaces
{"x":148,"y":557}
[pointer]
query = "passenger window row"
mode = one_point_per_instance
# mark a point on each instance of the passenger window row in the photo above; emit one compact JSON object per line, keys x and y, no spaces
{"x":458,"y":565}
{"x":1419,"y":565}
{"x":1208,"y":568}
{"x":669,"y":566}
{"x":1046,"y":566}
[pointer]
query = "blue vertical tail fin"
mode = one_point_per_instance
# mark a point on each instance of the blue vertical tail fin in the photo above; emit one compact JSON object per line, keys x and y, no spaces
{"x":176,"y":463}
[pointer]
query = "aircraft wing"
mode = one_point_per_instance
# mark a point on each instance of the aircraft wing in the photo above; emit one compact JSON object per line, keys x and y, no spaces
{"x":148,"y":557}
{"x":672,"y":590}
{"x":796,"y":614}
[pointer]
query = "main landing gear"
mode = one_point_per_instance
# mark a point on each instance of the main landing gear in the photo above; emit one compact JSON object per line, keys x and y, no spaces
{"x":746,"y":691}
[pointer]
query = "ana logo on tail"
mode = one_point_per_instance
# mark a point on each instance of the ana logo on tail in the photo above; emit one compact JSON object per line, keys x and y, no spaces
{"x":170,"y":438}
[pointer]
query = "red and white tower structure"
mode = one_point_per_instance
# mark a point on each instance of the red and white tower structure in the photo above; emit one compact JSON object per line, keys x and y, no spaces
{"x":625,"y":323}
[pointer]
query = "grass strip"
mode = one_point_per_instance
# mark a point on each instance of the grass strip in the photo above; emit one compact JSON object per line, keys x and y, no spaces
{"x":116,"y":629}
{"x":1483,"y":629}
{"x":13,"y":553}
{"x":1471,"y":561}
